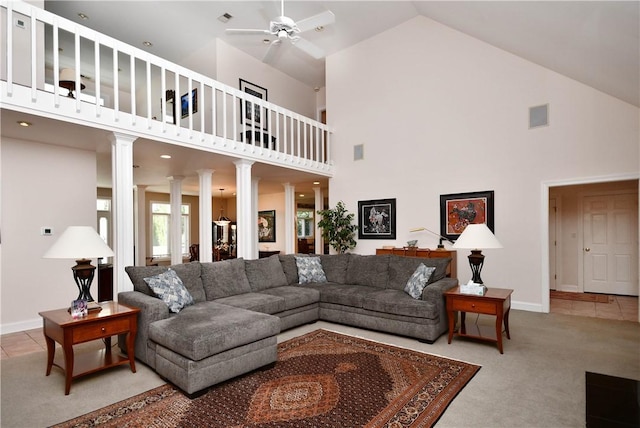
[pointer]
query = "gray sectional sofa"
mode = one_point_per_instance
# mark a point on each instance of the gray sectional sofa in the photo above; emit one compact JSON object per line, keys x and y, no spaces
{"x":239,"y":306}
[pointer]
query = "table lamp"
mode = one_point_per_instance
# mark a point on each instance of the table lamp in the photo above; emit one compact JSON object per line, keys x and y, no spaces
{"x":80,"y":243}
{"x":442,"y":238}
{"x":476,"y":237}
{"x":68,"y":81}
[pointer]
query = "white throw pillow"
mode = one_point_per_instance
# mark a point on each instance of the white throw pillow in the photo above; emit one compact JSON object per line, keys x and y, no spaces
{"x":169,"y":287}
{"x":418,"y":281}
{"x":310,"y":270}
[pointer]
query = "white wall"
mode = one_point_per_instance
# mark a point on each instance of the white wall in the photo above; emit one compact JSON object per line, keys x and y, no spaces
{"x":42,"y":185}
{"x":440,"y":112}
{"x":283,"y":90}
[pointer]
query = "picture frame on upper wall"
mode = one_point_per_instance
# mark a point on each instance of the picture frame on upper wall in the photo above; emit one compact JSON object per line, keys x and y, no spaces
{"x":250,"y":113}
{"x":377,"y":219}
{"x":457,"y":210}
{"x":267,"y":226}
{"x":184,"y":103}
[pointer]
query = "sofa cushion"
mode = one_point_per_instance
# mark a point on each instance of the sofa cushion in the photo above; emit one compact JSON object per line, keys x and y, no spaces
{"x":265,"y":273}
{"x":288,"y":262}
{"x":335,"y":267}
{"x":342,"y":294}
{"x":372,"y":271}
{"x":415,"y":285}
{"x":401,"y":268}
{"x":399,"y":303}
{"x":189,"y":273}
{"x":259,"y":302}
{"x":310,"y":270}
{"x":169,"y":288}
{"x":210,"y":328}
{"x":224,"y":278}
{"x":294,"y":297}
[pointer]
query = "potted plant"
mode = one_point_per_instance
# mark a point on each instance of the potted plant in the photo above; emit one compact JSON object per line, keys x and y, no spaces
{"x":338,"y":228}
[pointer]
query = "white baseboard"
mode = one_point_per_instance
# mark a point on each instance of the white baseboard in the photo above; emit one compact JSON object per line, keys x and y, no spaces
{"x":524,"y":306}
{"x":21,"y":326}
{"x":568,"y":287}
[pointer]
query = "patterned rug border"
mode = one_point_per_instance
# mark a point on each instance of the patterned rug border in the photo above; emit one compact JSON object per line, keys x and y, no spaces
{"x":109,"y":416}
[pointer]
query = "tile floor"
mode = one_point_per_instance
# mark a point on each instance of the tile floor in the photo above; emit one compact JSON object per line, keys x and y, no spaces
{"x":619,"y":308}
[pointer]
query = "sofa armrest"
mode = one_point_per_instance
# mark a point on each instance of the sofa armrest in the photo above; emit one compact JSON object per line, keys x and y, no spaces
{"x":151,"y":309}
{"x":434,"y":292}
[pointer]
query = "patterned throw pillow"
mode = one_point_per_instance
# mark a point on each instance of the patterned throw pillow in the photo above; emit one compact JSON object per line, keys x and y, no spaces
{"x":169,"y":287}
{"x":310,"y":270}
{"x":418,"y":281}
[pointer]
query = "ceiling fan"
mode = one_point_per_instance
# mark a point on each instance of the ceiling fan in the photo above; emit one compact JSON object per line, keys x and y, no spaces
{"x":285,"y":28}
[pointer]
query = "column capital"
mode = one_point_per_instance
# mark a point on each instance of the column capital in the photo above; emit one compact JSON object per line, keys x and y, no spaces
{"x":175,"y":177}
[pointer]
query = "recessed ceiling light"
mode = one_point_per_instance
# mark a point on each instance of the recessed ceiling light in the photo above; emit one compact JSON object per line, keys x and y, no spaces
{"x":165,"y":156}
{"x":320,"y":28}
{"x":83,"y":16}
{"x":24,"y":123}
{"x":301,"y":195}
{"x":147,"y":43}
{"x":266,"y":41}
{"x":316,"y":182}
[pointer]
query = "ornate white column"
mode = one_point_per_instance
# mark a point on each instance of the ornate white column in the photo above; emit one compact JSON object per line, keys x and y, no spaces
{"x":206,"y":240}
{"x":122,"y":188}
{"x":140,"y":220}
{"x":318,"y":205}
{"x":254,"y":217}
{"x":244,"y":209}
{"x":175,"y":230}
{"x":289,"y":218}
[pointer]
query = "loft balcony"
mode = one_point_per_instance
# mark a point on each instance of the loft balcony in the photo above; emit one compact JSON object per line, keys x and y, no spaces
{"x":128,"y":90}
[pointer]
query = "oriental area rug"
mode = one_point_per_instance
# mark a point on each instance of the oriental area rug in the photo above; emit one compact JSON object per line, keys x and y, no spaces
{"x":321,"y":379}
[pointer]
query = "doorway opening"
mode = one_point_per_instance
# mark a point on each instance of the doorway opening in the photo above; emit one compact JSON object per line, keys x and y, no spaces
{"x":593,"y":248}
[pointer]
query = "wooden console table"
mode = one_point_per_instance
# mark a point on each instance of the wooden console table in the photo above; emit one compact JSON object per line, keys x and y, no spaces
{"x":496,"y":301}
{"x":114,"y":319}
{"x":452,"y":269}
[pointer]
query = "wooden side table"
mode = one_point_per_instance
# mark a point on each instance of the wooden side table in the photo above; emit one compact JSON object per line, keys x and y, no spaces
{"x":113,"y":319}
{"x":496,"y":301}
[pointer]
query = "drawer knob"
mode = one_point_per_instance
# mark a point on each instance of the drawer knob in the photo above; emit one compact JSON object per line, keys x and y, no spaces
{"x":103,"y":329}
{"x":473,"y":305}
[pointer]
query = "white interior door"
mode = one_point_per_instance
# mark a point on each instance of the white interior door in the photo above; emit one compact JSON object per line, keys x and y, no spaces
{"x":610,"y":238}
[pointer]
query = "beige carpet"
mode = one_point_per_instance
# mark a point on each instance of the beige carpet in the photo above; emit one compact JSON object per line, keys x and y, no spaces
{"x":539,"y":381}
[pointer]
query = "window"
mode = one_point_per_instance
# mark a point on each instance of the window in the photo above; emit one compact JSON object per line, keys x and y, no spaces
{"x":103,"y":207}
{"x":305,"y":223}
{"x":160,"y":226}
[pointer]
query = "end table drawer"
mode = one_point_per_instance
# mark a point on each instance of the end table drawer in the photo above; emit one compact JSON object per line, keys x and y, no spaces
{"x":474,"y":306}
{"x":100,"y":329}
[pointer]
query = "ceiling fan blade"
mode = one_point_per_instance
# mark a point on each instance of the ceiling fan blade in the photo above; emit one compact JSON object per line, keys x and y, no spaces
{"x":308,"y":47}
{"x":271,"y":51}
{"x":320,"y":20}
{"x":246,"y":31}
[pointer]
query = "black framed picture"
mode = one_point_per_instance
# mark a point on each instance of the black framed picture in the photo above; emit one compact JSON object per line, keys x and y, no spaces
{"x":184,"y":102}
{"x":250,"y":113}
{"x":457,"y":210}
{"x":377,"y":219}
{"x":267,"y":226}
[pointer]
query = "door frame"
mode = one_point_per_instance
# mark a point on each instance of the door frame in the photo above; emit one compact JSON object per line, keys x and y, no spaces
{"x":544,"y":223}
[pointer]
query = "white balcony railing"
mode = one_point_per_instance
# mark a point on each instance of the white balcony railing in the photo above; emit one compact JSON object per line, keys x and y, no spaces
{"x":129,"y":90}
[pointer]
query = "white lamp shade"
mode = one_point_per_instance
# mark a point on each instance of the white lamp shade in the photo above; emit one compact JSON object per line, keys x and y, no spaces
{"x":79,"y":242}
{"x":477,"y":236}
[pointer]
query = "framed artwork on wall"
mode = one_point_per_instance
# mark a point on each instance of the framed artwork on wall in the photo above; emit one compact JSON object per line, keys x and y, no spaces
{"x":184,"y":103}
{"x":267,"y":226}
{"x":457,"y":210}
{"x":377,"y":219}
{"x":250,"y":112}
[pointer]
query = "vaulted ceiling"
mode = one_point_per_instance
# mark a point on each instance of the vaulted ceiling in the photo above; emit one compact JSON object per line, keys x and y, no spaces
{"x":594,"y":42}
